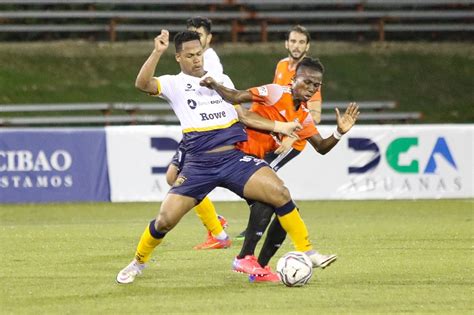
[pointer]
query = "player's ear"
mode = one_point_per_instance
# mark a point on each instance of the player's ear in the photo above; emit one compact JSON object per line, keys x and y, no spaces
{"x":293,"y":82}
{"x":307,"y":47}
{"x":177,"y":56}
{"x":286,"y":44}
{"x":208,"y":40}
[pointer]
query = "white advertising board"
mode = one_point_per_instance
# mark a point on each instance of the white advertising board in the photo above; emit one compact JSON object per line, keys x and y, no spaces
{"x":370,"y":162}
{"x":137,"y":158}
{"x":387,"y":162}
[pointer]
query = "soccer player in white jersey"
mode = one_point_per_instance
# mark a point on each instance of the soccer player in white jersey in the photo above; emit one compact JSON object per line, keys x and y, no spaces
{"x":216,"y":237}
{"x":202,"y":26}
{"x":211,"y":128}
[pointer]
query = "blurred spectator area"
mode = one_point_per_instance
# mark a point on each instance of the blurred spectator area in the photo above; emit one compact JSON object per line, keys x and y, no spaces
{"x":238,"y":20}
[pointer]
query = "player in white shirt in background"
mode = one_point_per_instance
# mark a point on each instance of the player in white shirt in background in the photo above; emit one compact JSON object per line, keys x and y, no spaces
{"x":203,"y":26}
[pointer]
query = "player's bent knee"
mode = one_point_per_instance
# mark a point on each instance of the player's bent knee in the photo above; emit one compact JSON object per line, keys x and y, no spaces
{"x":278,"y":197}
{"x":164,"y":223}
{"x":282,"y":195}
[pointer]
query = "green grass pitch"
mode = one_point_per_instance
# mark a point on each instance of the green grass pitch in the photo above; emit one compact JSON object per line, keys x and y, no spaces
{"x":394,"y":257}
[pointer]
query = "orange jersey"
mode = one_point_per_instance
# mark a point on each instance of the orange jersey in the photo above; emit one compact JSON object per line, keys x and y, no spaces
{"x":275,"y":102}
{"x":284,"y":75}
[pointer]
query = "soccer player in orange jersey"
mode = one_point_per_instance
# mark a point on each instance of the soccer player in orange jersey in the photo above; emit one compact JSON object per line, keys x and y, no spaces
{"x":282,"y":104}
{"x":297,"y":44}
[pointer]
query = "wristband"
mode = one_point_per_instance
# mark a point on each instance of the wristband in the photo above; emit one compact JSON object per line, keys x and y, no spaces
{"x":278,"y":126}
{"x":337,"y":135}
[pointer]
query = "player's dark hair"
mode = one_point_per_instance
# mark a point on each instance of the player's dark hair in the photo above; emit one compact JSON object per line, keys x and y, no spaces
{"x":183,"y":37}
{"x":198,"y":22}
{"x":299,"y":29}
{"x":311,"y":63}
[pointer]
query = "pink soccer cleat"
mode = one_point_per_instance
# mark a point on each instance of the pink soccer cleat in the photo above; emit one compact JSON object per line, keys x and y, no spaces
{"x":249,"y":265}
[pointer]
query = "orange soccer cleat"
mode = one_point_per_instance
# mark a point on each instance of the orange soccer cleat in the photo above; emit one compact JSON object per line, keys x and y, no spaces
{"x":213,"y":243}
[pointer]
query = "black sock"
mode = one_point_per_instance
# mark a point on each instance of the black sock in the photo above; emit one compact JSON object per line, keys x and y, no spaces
{"x":275,"y":237}
{"x":260,"y":216}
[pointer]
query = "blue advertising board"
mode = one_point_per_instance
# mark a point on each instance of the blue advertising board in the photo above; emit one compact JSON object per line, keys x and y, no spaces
{"x":53,"y":165}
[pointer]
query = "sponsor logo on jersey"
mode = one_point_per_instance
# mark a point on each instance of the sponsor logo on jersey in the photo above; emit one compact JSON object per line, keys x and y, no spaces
{"x":262,"y":91}
{"x":192,"y":103}
{"x":189,"y":87}
{"x":218,"y":101}
{"x":287,"y":89}
{"x":211,"y":116}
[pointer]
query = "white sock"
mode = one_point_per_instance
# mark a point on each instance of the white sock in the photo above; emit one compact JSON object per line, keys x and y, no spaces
{"x":221,"y":236}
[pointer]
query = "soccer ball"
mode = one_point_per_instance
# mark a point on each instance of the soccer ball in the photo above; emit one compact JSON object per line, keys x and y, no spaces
{"x":295,"y":269}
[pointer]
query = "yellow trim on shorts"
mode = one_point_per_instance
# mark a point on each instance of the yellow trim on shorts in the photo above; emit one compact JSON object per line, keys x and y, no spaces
{"x":211,"y":127}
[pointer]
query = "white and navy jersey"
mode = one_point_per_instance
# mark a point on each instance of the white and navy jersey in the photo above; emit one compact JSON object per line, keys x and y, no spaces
{"x":206,"y":119}
{"x":212,"y":63}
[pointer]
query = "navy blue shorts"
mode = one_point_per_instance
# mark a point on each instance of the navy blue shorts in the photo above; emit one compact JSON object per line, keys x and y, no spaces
{"x":203,"y":172}
{"x":178,"y":157}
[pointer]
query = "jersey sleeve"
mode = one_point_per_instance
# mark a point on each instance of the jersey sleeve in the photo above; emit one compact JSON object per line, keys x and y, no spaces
{"x":165,"y":83}
{"x":268,"y":94}
{"x":309,"y":128}
{"x":212,"y":62}
{"x":227,"y":82}
{"x":307,"y":131}
{"x":215,"y":65}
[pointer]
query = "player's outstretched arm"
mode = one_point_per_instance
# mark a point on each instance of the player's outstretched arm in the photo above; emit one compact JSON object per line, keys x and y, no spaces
{"x":346,"y":121}
{"x":247,"y":117}
{"x":315,"y":110}
{"x":145,"y":80}
{"x":255,"y":121}
{"x":229,"y":95}
{"x":344,"y":124}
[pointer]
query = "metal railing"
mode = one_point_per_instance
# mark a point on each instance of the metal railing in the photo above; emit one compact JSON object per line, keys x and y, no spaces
{"x":161,"y":113}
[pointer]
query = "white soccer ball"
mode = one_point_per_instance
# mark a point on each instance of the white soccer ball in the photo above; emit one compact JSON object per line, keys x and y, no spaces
{"x":295,"y":269}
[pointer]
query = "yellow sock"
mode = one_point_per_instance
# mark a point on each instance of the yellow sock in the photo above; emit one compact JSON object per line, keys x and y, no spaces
{"x":206,"y":211}
{"x":146,"y":246}
{"x":295,"y":227}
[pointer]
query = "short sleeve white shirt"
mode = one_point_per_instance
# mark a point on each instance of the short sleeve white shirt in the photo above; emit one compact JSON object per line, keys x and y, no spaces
{"x":212,"y":63}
